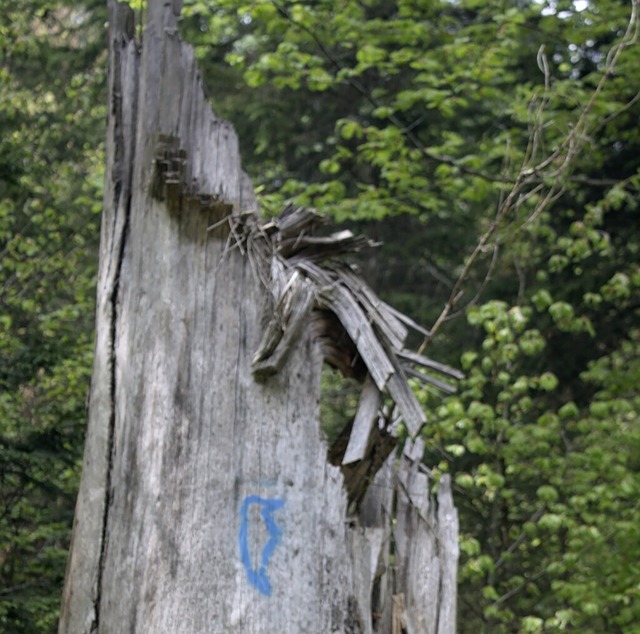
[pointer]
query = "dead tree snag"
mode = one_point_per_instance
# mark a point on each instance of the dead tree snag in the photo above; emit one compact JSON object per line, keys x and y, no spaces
{"x":208,"y":502}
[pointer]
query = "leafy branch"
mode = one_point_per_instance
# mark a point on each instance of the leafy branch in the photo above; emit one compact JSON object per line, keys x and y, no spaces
{"x":405,"y":128}
{"x":532,"y":177}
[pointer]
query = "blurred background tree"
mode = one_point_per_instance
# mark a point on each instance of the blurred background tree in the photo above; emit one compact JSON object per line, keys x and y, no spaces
{"x":52,"y":114}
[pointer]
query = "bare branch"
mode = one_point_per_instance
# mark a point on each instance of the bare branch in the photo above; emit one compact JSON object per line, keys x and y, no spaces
{"x":531,"y":178}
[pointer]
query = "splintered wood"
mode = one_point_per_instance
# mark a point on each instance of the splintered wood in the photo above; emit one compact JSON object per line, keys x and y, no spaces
{"x":427,"y":551}
{"x":360,"y":334}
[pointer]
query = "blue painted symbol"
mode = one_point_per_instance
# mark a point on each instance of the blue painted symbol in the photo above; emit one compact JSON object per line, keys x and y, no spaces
{"x":258,"y":577}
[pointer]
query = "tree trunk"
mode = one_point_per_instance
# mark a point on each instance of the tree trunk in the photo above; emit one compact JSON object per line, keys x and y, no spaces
{"x":207,"y":502}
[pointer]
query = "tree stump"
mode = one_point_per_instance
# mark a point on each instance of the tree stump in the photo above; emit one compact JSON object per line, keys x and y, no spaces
{"x":207,"y":501}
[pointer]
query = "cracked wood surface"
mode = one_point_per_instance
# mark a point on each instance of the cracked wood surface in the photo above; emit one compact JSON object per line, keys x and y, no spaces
{"x":181,"y":436}
{"x":426,"y":537}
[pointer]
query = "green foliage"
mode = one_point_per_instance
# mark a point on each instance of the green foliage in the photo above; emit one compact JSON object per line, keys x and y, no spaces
{"x":51,"y":166}
{"x":546,"y":490}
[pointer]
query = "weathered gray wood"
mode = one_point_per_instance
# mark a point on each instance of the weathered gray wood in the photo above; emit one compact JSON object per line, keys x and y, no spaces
{"x":387,"y":323}
{"x":207,"y":503}
{"x":181,"y":437}
{"x":448,"y":530}
{"x":79,"y":611}
{"x":409,"y":322}
{"x":385,"y":371}
{"x":354,"y":320}
{"x":366,"y":417}
{"x":412,"y":413}
{"x":426,"y":537}
{"x":296,"y":221}
{"x":288,"y":323}
{"x":377,"y":512}
{"x":427,"y":378}
{"x":323,"y":247}
{"x":426,"y":362}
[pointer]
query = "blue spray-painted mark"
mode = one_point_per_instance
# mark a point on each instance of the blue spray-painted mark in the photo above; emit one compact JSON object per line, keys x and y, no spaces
{"x":258,"y":577}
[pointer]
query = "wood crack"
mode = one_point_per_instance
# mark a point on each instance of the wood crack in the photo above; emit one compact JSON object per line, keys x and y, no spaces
{"x":114,"y":300}
{"x":124,"y":143}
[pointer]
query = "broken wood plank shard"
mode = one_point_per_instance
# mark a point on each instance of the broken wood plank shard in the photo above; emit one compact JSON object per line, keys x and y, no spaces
{"x":284,"y":330}
{"x":366,"y":417}
{"x":427,"y":571}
